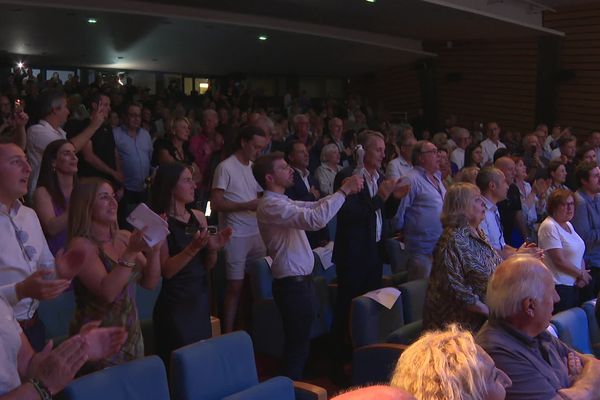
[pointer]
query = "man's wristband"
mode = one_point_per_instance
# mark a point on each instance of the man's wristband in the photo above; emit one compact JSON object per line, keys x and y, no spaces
{"x":344,"y":193}
{"x":41,"y":389}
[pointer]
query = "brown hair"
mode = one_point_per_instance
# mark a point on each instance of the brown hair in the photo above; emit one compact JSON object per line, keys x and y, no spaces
{"x":264,"y":165}
{"x":80,"y":208}
{"x":556,"y":198}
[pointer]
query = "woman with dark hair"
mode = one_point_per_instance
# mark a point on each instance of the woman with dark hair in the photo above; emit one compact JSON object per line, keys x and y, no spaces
{"x":58,"y":174}
{"x":182,"y":310}
{"x":474,"y":156}
{"x":556,"y":174}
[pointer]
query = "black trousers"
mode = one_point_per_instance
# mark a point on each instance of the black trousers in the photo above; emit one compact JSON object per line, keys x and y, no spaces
{"x":570,"y":296}
{"x":296,"y":299}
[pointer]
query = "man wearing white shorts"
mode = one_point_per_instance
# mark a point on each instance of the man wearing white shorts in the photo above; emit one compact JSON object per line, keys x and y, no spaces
{"x":234,"y":195}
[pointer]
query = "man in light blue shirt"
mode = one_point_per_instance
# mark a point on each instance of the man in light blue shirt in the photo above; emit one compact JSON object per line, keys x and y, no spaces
{"x":134,"y":145}
{"x":419,"y":212}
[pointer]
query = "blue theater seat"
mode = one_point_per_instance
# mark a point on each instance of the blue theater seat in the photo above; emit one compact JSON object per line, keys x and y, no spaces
{"x":573,"y":329}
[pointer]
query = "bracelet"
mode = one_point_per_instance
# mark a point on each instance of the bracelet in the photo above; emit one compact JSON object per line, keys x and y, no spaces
{"x":41,"y":389}
{"x":127,"y":264}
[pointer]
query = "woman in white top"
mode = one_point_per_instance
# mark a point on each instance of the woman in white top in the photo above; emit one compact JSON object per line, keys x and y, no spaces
{"x":564,"y":250}
{"x":330,"y":166}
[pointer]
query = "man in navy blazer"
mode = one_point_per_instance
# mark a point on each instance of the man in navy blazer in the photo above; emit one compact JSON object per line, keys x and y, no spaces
{"x":361,"y":229}
{"x":305,"y":187}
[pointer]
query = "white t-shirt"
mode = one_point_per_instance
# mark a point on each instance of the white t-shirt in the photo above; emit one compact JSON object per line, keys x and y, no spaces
{"x":239,"y":186}
{"x":553,"y":236}
{"x":38,"y":137}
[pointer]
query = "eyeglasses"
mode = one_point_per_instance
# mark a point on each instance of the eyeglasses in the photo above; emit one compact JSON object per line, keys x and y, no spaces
{"x":436,"y":151}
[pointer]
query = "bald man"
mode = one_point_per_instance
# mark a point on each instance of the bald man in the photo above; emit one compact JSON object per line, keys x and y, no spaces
{"x":521,"y":297}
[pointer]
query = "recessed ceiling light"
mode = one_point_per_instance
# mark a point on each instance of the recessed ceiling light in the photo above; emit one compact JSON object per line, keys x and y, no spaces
{"x":262,"y":37}
{"x":370,"y":1}
{"x":92,"y":20}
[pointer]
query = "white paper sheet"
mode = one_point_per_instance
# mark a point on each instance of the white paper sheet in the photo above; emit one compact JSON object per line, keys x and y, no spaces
{"x":386,"y":297}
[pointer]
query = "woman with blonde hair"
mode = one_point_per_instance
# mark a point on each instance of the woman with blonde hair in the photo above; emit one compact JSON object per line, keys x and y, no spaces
{"x":449,"y":365}
{"x":463,"y":261}
{"x":330,"y":166}
{"x":114,"y":262}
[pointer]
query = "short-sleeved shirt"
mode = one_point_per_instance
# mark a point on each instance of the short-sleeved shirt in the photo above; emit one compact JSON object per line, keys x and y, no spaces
{"x":10,"y":343}
{"x":39,"y":136}
{"x":535,"y":365}
{"x":553,"y":236}
{"x":239,"y":185}
{"x":135,"y":153}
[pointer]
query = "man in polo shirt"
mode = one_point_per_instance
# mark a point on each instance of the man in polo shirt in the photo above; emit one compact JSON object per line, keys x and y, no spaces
{"x":282,"y":223}
{"x":521,"y":297}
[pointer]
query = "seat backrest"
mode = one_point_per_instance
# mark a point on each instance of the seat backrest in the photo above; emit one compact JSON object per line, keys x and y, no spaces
{"x":260,"y":279}
{"x":396,"y":254}
{"x":145,"y":299}
{"x":572,"y":328}
{"x":371,"y":323}
{"x":57,"y":314}
{"x":413,"y":299}
{"x":590,"y":310}
{"x":214,"y":368}
{"x":141,"y":379}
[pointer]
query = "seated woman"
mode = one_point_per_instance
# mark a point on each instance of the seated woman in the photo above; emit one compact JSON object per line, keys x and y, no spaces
{"x":463,"y":261}
{"x":182,"y":310}
{"x":564,"y":251}
{"x":113,"y":265}
{"x":58,"y":174}
{"x":326,"y":172}
{"x":449,"y":365}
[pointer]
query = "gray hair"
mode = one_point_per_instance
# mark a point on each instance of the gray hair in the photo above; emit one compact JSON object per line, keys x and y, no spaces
{"x":518,"y":278}
{"x":327,"y":150}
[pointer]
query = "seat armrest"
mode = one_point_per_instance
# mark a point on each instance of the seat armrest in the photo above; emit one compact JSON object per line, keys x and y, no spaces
{"x":307,"y":391}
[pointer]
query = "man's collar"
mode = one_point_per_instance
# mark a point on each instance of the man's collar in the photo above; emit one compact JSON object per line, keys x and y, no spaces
{"x":489,"y":205}
{"x":14,"y":209}
{"x":518,"y":334}
{"x":303,"y":174}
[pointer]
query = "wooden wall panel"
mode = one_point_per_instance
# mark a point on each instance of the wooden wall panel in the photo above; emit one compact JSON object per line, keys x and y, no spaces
{"x":398,"y":88}
{"x":484,"y":80}
{"x":578,"y":102}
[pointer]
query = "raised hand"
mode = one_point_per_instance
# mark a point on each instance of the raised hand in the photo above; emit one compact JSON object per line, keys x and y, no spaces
{"x":56,"y":368}
{"x":69,"y":263}
{"x":216,"y":242}
{"x":102,"y":342}
{"x":353,"y":184}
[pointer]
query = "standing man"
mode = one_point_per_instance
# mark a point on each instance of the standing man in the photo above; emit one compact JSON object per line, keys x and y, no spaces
{"x":134,"y":146}
{"x":234,"y":196}
{"x":492,"y":143}
{"x":361,"y":229}
{"x":587,"y":217}
{"x":99,"y":156}
{"x":282,"y":223}
{"x":23,"y":249}
{"x":510,"y":209}
{"x":419,"y":213}
{"x":463,"y":140}
{"x":54,"y":112}
{"x":402,"y":165}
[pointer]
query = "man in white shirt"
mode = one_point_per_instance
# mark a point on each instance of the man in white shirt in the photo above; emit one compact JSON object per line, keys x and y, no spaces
{"x":23,"y":248}
{"x":492,"y":143}
{"x":234,"y":196}
{"x":402,"y":165}
{"x":282,"y":223}
{"x":463,"y":140}
{"x":54,"y":112}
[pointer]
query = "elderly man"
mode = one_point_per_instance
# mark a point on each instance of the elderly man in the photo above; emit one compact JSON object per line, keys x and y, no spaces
{"x":463,"y":140}
{"x":521,"y":297}
{"x":419,"y":213}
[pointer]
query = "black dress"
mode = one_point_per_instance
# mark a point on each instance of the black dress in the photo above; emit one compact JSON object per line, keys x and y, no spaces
{"x":182,"y":311}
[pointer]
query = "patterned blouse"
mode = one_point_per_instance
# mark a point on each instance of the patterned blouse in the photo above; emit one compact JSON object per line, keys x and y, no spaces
{"x":121,"y":312}
{"x":462,"y":264}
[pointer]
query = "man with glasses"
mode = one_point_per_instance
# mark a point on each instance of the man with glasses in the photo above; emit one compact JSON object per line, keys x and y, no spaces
{"x":23,"y":249}
{"x":134,"y":146}
{"x":419,"y":213}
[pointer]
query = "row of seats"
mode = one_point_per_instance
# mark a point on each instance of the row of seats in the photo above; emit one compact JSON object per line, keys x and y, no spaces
{"x":219,"y":368}
{"x":578,"y":327}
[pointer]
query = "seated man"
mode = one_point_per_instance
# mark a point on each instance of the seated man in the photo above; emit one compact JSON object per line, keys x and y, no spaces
{"x":449,"y":365}
{"x":521,"y":297}
{"x":25,"y":374}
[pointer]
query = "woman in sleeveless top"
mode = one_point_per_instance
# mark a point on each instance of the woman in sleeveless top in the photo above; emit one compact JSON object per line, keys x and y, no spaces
{"x":58,"y":173}
{"x":182,"y":310}
{"x":113,"y":265}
